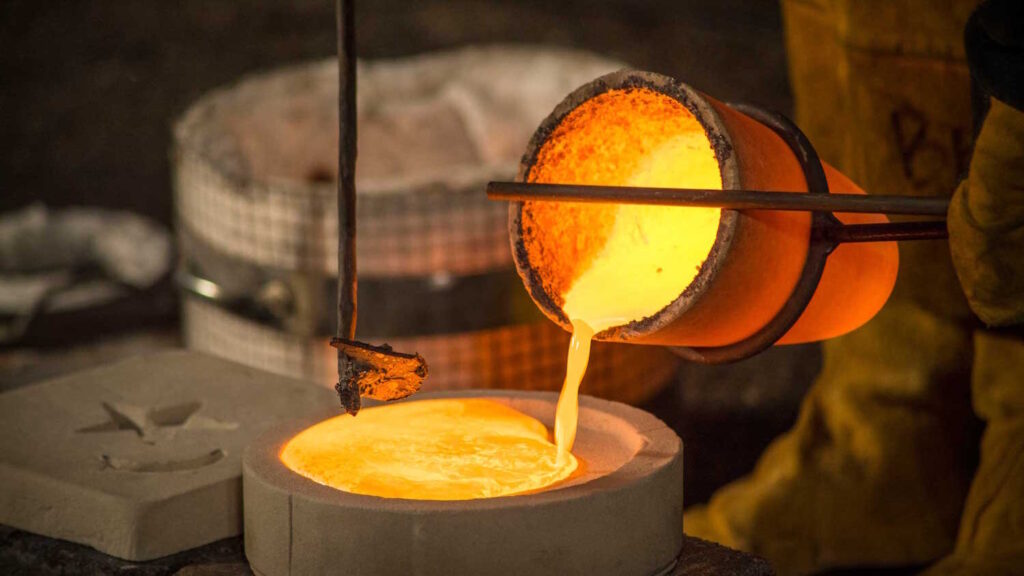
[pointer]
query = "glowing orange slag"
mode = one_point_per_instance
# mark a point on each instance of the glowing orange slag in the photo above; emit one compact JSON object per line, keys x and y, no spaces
{"x":608,"y":265}
{"x":446,"y":449}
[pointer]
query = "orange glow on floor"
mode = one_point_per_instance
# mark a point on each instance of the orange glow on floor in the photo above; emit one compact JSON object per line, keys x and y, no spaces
{"x":445,"y":449}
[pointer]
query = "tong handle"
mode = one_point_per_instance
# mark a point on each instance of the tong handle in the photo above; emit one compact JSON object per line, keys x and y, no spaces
{"x":734,"y":199}
{"x":888,"y":232}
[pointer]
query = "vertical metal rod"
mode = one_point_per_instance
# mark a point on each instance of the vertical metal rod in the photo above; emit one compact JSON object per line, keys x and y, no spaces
{"x":345,"y":10}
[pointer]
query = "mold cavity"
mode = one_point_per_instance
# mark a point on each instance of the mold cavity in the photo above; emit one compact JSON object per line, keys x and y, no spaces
{"x":167,"y":465}
{"x":119,"y":419}
{"x":175,"y":415}
{"x":151,"y":424}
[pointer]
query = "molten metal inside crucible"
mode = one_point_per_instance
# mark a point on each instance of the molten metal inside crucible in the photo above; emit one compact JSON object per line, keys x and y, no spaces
{"x":610,"y":264}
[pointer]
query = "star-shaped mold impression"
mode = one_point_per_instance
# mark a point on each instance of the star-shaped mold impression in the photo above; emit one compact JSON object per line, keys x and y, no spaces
{"x":153,"y":424}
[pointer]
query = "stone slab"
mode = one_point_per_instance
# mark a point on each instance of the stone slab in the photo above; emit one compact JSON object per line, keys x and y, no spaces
{"x":142,"y":458}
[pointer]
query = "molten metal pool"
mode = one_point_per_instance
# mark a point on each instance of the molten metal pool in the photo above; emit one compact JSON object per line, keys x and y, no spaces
{"x":443,"y":449}
{"x":466,"y":483}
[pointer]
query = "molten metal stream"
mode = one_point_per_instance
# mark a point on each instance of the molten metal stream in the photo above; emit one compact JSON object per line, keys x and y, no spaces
{"x":567,"y":413}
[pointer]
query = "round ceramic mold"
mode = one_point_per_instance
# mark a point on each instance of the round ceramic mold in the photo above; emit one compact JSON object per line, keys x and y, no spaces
{"x":620,"y":514}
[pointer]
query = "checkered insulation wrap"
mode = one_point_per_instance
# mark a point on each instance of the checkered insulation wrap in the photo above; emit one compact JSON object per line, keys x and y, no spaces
{"x":522,"y":357}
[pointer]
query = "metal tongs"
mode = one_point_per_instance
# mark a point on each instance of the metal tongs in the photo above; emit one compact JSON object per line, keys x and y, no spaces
{"x":755,"y":200}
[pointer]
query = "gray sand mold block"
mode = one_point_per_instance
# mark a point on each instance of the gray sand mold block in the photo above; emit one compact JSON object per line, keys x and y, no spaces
{"x":142,"y":458}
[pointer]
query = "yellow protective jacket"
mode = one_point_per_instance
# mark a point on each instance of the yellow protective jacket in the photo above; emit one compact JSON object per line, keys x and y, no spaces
{"x":986,"y":221}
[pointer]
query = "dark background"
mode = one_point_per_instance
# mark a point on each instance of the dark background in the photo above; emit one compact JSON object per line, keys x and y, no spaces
{"x":89,"y":89}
